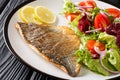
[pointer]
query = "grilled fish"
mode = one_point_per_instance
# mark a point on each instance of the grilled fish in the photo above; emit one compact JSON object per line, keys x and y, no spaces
{"x":56,"y":44}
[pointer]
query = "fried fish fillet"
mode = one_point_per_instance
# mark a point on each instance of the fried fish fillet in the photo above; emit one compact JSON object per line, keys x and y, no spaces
{"x":55,"y":44}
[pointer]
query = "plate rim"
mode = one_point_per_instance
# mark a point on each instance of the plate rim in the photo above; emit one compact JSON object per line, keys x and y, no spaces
{"x":8,"y":44}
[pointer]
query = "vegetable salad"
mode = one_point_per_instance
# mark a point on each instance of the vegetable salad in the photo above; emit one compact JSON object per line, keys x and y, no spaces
{"x":99,"y":33}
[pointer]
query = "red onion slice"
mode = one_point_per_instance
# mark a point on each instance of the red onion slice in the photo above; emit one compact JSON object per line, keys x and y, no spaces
{"x":93,"y":30}
{"x":114,"y":72}
{"x":69,"y":18}
{"x":85,"y":6}
{"x":80,"y":8}
{"x":103,"y":14}
{"x":102,"y":54}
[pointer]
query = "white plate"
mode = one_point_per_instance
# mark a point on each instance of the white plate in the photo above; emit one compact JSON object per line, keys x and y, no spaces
{"x":18,"y":47}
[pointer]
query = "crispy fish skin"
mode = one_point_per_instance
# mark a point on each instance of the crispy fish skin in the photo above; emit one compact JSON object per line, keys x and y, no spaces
{"x":56,"y":44}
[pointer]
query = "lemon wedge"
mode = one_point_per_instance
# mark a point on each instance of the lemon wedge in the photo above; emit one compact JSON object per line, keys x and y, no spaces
{"x":44,"y":15}
{"x":27,"y":15}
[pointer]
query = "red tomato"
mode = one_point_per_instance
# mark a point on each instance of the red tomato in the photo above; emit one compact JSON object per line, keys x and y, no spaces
{"x":113,"y":12}
{"x":88,"y":3}
{"x":100,"y":45}
{"x":90,"y":46}
{"x":71,"y":16}
{"x":101,"y":21}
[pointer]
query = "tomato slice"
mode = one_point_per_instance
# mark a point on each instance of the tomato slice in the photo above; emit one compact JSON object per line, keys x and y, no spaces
{"x":90,"y":46}
{"x":113,"y":12}
{"x":71,"y":16}
{"x":101,"y":21}
{"x":100,"y":45}
{"x":90,"y":3}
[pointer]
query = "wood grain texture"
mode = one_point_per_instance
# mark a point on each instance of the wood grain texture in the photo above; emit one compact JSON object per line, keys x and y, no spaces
{"x":10,"y":67}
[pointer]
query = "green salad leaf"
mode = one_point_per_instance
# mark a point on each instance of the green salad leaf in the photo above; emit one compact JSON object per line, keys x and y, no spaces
{"x":114,"y":58}
{"x":109,"y":40}
{"x":74,"y":26}
{"x":92,"y":64}
{"x":106,"y":38}
{"x":105,"y":61}
{"x":69,"y":7}
{"x":95,"y":66}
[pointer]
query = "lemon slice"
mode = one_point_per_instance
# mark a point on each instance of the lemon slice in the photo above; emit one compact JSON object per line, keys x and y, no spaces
{"x":44,"y":15}
{"x":27,"y":15}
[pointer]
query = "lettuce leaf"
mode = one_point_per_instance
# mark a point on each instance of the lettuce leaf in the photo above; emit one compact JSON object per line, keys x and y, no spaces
{"x":69,"y":7}
{"x":114,"y":58}
{"x":92,"y":64}
{"x":112,"y":50}
{"x":109,"y":40}
{"x":74,"y":26}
